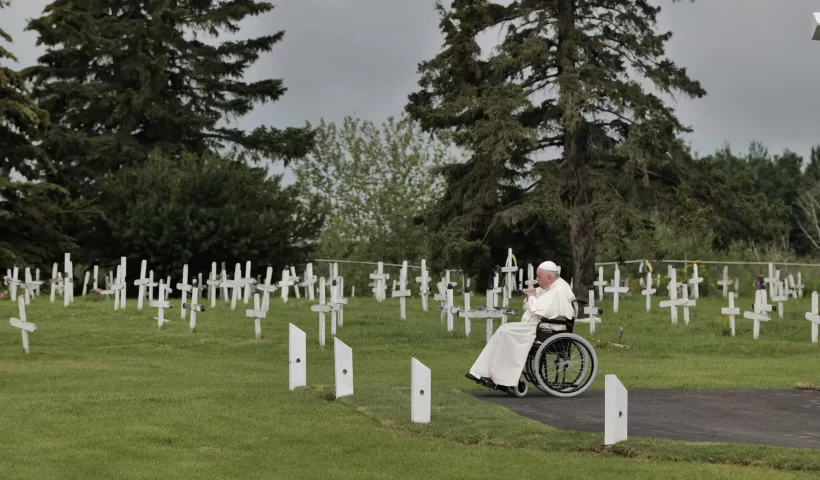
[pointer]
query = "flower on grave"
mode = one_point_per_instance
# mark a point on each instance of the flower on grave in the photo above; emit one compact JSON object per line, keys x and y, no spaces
{"x":724,"y":319}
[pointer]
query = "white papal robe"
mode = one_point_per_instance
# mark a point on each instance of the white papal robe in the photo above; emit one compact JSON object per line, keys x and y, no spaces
{"x":502,"y":359}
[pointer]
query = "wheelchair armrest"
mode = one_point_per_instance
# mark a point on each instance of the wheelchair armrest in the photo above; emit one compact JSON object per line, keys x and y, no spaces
{"x":560,"y":320}
{"x":581,"y":302}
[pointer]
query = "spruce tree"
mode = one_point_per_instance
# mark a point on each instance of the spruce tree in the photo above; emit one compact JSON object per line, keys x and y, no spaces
{"x":34,"y":214}
{"x":123,"y":78}
{"x":565,"y":122}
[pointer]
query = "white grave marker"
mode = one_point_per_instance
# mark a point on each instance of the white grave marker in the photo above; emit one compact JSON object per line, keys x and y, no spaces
{"x":295,"y":280}
{"x":725,"y":282}
{"x":309,"y":281}
{"x":648,"y":291}
{"x":616,"y":401}
{"x":297,"y":357}
{"x":673,"y":301}
{"x":213,"y":282}
{"x":193,"y":307}
{"x":600,"y":283}
{"x":267,"y":288}
{"x":420,"y":383}
{"x":23,"y":324}
{"x":184,"y":287}
{"x":695,"y":281}
{"x":121,"y":282}
{"x":813,"y":317}
{"x":731,"y":311}
{"x":285,"y":283}
{"x":616,"y":289}
{"x":257,"y":314}
{"x":343,"y":363}
{"x":85,"y":282}
{"x":424,"y":284}
{"x":379,"y":282}
{"x":591,"y":312}
{"x":142,"y":282}
{"x":761,"y":307}
{"x":161,"y":304}
{"x":403,"y":292}
{"x":322,"y":308}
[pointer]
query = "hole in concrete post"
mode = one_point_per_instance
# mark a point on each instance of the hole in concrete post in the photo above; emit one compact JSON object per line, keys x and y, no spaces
{"x":421,"y":392}
{"x":344,"y":371}
{"x":620,"y":414}
{"x":298,"y":360}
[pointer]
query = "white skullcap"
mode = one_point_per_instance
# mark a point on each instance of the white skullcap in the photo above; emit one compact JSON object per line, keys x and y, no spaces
{"x":550,"y":266}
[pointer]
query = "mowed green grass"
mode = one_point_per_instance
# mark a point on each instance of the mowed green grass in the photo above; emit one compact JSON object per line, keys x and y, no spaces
{"x":106,"y":394}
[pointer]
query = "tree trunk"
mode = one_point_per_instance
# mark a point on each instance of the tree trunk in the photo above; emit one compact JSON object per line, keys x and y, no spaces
{"x":584,"y":246}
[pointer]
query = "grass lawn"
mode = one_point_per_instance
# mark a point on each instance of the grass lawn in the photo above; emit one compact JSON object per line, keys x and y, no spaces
{"x":105,"y":394}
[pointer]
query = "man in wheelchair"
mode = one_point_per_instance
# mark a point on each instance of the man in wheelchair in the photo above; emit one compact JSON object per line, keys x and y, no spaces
{"x":503,"y":359}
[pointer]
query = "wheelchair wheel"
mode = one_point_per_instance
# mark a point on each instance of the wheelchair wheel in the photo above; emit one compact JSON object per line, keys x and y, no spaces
{"x":565,"y":365}
{"x":520,"y":390}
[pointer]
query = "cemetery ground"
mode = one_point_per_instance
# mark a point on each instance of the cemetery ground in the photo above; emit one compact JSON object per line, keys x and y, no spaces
{"x":106,"y":394}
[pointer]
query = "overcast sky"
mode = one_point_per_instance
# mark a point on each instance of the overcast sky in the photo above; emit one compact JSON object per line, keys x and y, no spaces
{"x":359,"y":57}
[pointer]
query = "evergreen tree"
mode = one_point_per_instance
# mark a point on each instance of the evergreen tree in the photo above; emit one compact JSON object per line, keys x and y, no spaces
{"x":123,"y":78}
{"x":571,"y":76}
{"x":33,"y":213}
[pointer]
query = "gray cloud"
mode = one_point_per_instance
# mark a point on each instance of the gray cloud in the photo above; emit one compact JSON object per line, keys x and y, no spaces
{"x":359,"y":57}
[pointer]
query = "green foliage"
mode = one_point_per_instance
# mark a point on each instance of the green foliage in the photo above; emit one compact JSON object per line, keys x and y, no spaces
{"x":34,"y":214}
{"x":376,"y":182}
{"x":197,"y":210}
{"x":121,"y":80}
{"x":567,"y":75}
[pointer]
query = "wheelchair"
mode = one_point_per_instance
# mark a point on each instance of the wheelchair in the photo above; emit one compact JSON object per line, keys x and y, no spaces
{"x":560,"y":363}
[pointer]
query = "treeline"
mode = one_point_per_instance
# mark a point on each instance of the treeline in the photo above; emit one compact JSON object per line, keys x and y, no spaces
{"x":116,"y":143}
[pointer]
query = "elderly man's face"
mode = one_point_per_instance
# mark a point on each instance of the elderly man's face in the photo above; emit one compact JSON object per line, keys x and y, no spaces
{"x":545,"y":278}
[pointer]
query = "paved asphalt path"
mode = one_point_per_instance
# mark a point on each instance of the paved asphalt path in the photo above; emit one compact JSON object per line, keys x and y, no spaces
{"x":789,"y":418}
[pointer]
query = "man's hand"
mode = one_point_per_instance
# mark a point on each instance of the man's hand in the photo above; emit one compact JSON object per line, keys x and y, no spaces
{"x":530,"y":292}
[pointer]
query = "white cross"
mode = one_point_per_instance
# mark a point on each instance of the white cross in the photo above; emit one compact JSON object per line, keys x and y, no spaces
{"x":509,"y":270}
{"x":799,"y":285}
{"x":761,"y":307}
{"x":531,"y":281}
{"x":731,"y":311}
{"x":122,"y":282}
{"x":96,"y":276}
{"x":29,"y":286}
{"x":616,"y":289}
{"x":322,"y":308}
{"x":467,"y":323}
{"x":591,"y":311}
{"x":13,"y":282}
{"x":193,"y":307}
{"x":85,"y":282}
{"x":792,"y":288}
{"x":309,"y":281}
{"x":212,"y":282}
{"x":686,"y":303}
{"x":142,"y":283}
{"x":248,"y":283}
{"x":441,"y":298}
{"x":267,"y":288}
{"x":161,"y":304}
{"x":725,"y":282}
{"x":402,"y":292}
{"x":770,"y":280}
{"x":37,"y":279}
{"x":21,"y":323}
{"x":184,"y":287}
{"x":424,"y":284}
{"x":813,"y":317}
{"x":489,"y":314}
{"x":695,"y":281}
{"x":237,"y":283}
{"x":151,"y":285}
{"x":779,"y":297}
{"x":285,"y":283}
{"x":494,"y":292}
{"x":257,"y":314}
{"x":648,"y":291}
{"x":673,"y":301}
{"x":379,"y":282}
{"x":600,"y":283}
{"x":295,"y":279}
